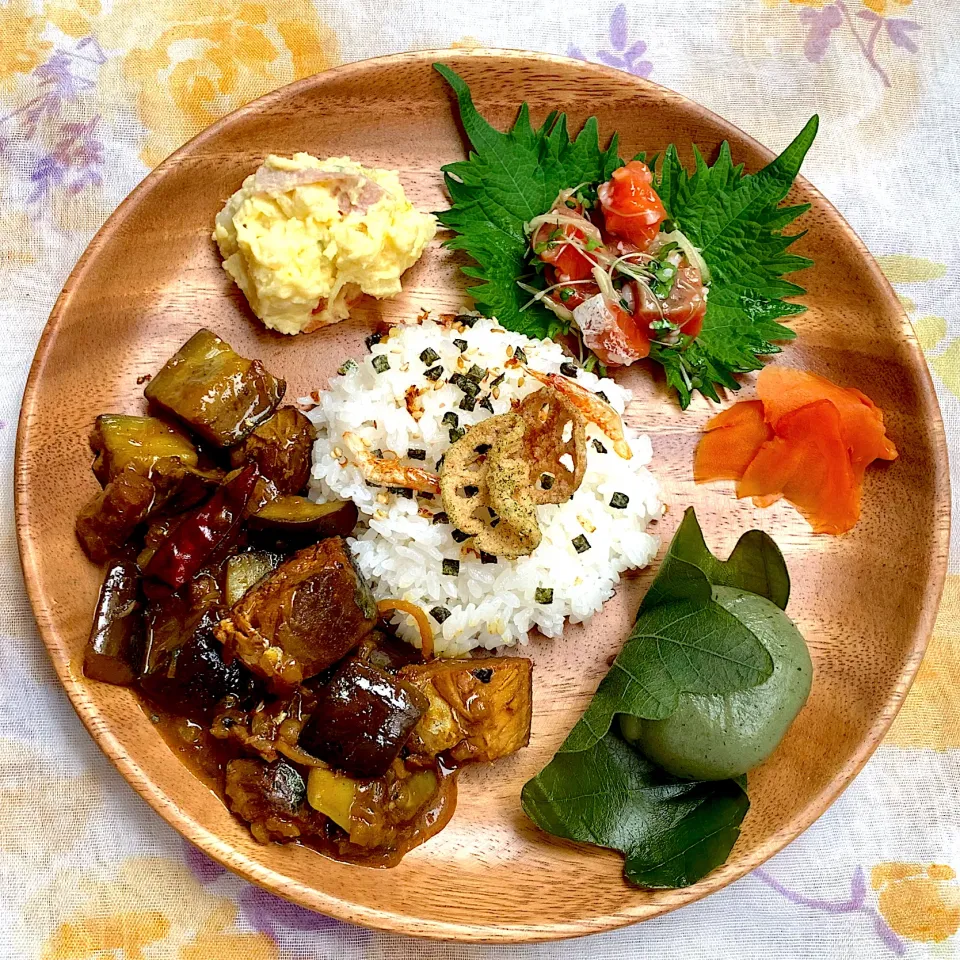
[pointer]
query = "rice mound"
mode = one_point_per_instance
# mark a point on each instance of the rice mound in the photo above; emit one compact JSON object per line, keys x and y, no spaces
{"x":399,"y":548}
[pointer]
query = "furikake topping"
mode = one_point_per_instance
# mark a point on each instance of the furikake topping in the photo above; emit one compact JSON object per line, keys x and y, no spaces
{"x":543,"y":595}
{"x":381,"y":363}
{"x":348,"y":366}
{"x":619,"y":501}
{"x":568,"y":369}
{"x":581,"y":544}
{"x":416,"y":454}
{"x":459,"y":535}
{"x":429,"y":356}
{"x":439,"y":614}
{"x":434,"y":373}
{"x":451,"y":567}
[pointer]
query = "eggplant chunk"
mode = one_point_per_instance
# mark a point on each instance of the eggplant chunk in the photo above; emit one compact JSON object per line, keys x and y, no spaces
{"x":183,"y":666}
{"x":119,"y":440}
{"x":270,"y":797}
{"x":107,"y":521}
{"x":218,"y":394}
{"x":289,"y":516}
{"x":362,"y":719}
{"x":115,"y":649}
{"x":479,"y":710}
{"x":308,"y":614}
{"x":281,"y":447}
{"x":246,"y":570}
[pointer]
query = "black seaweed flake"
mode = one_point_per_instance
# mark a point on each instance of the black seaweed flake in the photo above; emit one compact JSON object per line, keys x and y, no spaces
{"x":497,"y":380}
{"x":373,"y":340}
{"x":619,"y":500}
{"x":404,"y":492}
{"x":486,"y":403}
{"x":468,"y":403}
{"x":381,"y":363}
{"x":429,"y":356}
{"x":543,"y":595}
{"x":439,"y":614}
{"x":598,"y":446}
{"x":483,"y":674}
{"x":461,"y":345}
{"x":348,"y":366}
{"x":440,"y":517}
{"x":439,"y":466}
{"x":456,"y":434}
{"x":476,"y":373}
{"x":450,"y":567}
{"x":581,"y":544}
{"x":459,"y":535}
{"x":487,"y":557}
{"x":470,"y":387}
{"x":434,"y":373}
{"x":450,"y":419}
{"x":569,"y":369}
{"x":603,"y":396}
{"x":468,"y":320}
{"x":414,"y":453}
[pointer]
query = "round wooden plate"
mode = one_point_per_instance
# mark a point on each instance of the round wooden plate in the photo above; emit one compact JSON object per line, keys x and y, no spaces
{"x":865,"y":602}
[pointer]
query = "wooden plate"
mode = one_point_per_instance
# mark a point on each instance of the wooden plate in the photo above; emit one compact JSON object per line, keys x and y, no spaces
{"x":865,"y":602}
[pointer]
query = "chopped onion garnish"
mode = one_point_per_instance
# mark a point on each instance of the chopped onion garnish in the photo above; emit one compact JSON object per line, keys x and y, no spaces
{"x":690,"y":252}
{"x":557,"y":308}
{"x":557,"y":218}
{"x":541,"y":294}
{"x":606,"y":285}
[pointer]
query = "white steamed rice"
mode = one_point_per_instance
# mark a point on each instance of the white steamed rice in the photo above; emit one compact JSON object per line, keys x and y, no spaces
{"x":401,"y":551}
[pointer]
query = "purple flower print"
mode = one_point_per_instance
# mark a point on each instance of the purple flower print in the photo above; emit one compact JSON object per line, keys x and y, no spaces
{"x":59,"y":155}
{"x":855,"y":903}
{"x":624,"y":56}
{"x":269,"y":914}
{"x":822,"y":23}
{"x":200,"y":865}
{"x":73,"y":164}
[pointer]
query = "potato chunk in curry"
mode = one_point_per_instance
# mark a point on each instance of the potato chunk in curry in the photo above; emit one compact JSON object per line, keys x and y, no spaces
{"x":479,"y":710}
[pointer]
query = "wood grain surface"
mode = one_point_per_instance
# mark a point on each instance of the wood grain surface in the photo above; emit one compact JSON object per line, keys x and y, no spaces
{"x":865,"y":602}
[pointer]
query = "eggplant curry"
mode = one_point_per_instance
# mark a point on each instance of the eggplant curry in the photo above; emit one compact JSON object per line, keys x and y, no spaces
{"x":232,"y":604}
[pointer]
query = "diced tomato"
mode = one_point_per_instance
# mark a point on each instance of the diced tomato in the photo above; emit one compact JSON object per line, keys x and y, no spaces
{"x":575,"y":295}
{"x":569,"y":261}
{"x":631,"y":208}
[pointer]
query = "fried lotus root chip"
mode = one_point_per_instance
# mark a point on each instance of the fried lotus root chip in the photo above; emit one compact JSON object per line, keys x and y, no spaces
{"x":463,"y":479}
{"x":555,"y":429}
{"x":511,"y":497}
{"x":485,"y":485}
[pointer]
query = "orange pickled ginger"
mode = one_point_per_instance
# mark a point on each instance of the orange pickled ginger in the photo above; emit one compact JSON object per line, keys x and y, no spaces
{"x":806,"y":439}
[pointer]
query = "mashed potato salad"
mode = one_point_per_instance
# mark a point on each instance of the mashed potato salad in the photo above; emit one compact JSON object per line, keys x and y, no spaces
{"x":303,"y":237}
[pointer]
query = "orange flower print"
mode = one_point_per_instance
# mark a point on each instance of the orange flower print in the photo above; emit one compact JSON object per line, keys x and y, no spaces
{"x":193,"y":63}
{"x":21,"y":46}
{"x":921,"y":904}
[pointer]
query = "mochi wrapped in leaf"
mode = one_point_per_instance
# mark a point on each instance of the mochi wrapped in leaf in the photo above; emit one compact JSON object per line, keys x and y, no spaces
{"x":478,"y":710}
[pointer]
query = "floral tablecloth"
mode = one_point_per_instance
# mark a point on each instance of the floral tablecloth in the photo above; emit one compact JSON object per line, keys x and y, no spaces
{"x":93,"y":94}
